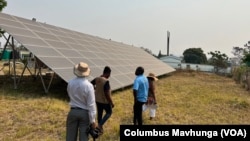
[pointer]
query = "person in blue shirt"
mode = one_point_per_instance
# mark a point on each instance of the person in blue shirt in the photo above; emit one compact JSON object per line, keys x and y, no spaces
{"x":140,"y":92}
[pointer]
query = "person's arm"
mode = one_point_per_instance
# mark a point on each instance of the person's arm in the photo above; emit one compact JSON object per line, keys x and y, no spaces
{"x":91,"y":106}
{"x":135,"y":94}
{"x":93,"y":82}
{"x":107,"y":92}
{"x":135,"y":88}
{"x":153,"y":91}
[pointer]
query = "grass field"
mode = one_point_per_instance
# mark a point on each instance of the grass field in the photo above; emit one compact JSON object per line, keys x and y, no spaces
{"x":28,"y":114}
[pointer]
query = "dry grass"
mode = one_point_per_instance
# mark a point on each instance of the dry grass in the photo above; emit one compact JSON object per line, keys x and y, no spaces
{"x":183,"y":98}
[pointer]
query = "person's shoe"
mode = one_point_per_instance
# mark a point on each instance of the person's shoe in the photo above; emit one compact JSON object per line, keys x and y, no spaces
{"x":150,"y":118}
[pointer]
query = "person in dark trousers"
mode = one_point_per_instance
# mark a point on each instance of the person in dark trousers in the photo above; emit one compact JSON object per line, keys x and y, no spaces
{"x":103,"y":97}
{"x":140,"y":92}
{"x":82,"y":113}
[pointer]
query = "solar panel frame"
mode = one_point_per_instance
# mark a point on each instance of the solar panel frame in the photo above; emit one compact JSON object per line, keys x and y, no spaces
{"x":60,"y":49}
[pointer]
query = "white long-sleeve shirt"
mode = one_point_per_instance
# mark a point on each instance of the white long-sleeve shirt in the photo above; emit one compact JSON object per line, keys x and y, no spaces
{"x":82,"y":95}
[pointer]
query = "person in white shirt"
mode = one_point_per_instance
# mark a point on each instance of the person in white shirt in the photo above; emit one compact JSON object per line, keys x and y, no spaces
{"x":82,"y":102}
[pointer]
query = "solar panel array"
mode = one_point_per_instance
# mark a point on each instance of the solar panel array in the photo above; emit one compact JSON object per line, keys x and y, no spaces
{"x":60,"y":49}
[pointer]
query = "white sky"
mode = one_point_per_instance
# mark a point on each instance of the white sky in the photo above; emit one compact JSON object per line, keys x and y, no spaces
{"x":209,"y":24}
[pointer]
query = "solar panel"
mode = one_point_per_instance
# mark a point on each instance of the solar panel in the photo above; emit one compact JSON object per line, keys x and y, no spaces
{"x":60,"y":49}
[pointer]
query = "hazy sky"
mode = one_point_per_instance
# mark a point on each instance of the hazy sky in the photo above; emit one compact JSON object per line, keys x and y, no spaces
{"x":208,"y":24}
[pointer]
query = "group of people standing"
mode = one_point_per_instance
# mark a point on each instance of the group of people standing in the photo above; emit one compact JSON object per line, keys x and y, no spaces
{"x":89,"y":99}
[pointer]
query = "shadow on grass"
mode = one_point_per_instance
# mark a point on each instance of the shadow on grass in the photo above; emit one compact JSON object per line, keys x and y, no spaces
{"x":31,"y":87}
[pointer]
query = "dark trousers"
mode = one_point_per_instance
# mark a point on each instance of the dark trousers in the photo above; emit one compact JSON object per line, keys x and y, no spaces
{"x":77,"y":121}
{"x":138,"y":112}
{"x":101,"y":107}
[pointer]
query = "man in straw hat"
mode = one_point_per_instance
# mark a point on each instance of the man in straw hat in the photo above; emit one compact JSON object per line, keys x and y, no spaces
{"x":151,"y":102}
{"x":82,"y":102}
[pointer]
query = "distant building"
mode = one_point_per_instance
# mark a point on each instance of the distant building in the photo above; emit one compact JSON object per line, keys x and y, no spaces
{"x":177,"y":63}
{"x":171,"y":60}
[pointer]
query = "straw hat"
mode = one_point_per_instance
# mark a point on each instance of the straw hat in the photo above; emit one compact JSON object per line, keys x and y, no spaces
{"x":81,"y":70}
{"x":152,"y":76}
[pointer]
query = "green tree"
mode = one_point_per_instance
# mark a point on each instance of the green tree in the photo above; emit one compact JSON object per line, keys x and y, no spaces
{"x":194,"y":56}
{"x":3,"y":4}
{"x":218,"y":60}
{"x":159,"y":54}
{"x":242,"y":53}
{"x":238,"y":52}
{"x":148,"y":51}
